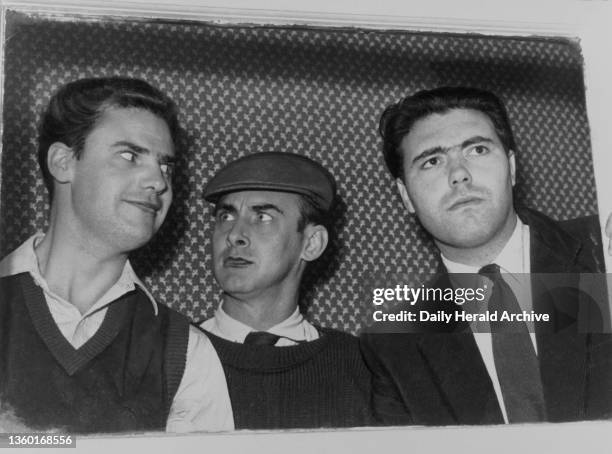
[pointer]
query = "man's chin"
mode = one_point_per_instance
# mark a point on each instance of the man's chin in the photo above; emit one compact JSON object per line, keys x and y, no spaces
{"x":469,"y":238}
{"x":232,"y":284}
{"x":135,"y":238}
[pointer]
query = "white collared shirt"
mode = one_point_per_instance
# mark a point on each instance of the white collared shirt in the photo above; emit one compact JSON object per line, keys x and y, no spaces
{"x":76,"y":328}
{"x":293,"y":329}
{"x":201,"y":402}
{"x":515,"y":264}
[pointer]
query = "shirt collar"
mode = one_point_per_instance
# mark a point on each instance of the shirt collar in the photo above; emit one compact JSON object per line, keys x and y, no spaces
{"x":234,"y":330}
{"x":24,"y":260}
{"x":513,"y":258}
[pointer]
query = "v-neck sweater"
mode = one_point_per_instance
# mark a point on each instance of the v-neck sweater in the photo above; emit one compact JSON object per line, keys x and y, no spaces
{"x":122,"y":379}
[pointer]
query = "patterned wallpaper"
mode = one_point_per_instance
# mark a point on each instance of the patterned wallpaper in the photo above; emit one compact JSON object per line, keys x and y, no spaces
{"x":314,"y":91}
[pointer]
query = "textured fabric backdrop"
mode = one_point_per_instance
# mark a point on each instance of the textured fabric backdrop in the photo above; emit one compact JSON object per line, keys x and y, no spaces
{"x":317,"y":92}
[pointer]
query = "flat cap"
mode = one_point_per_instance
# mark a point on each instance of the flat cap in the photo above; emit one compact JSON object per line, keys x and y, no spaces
{"x":274,"y":171}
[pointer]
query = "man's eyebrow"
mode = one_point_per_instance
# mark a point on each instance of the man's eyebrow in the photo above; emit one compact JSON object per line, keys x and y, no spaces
{"x":267,"y":207}
{"x":228,"y":208}
{"x":164,"y":158}
{"x":443,"y":150}
{"x":132,"y":146}
{"x":430,"y":152}
{"x":474,"y":140}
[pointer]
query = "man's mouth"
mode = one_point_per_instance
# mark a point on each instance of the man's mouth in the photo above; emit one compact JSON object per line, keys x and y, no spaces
{"x":464,"y":201}
{"x":147,"y":205}
{"x":236,"y":262}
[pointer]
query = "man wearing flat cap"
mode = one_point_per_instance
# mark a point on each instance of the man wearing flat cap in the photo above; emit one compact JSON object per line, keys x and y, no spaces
{"x":282,"y":371}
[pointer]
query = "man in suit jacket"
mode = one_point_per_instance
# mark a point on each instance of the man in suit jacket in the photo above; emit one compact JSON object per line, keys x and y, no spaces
{"x":451,"y":151}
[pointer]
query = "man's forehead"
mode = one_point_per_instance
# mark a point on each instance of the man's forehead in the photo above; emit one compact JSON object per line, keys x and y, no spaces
{"x":448,"y":129}
{"x":139,"y":127}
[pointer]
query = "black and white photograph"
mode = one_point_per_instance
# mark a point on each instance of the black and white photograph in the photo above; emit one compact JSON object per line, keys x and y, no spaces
{"x":276,"y":226}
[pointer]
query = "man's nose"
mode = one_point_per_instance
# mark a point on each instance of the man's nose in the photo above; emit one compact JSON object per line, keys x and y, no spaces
{"x":459,"y":172}
{"x":237,"y":235}
{"x":155,"y":179}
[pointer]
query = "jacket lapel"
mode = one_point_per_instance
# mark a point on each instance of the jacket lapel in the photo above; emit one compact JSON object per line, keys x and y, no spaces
{"x":462,"y":377}
{"x":457,"y":367}
{"x":562,"y":350}
{"x":552,"y":249}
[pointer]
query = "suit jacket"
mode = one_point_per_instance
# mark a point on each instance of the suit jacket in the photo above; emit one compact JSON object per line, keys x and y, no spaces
{"x":439,"y":378}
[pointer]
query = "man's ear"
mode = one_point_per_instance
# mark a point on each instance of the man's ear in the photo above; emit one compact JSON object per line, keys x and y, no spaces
{"x":60,"y":160}
{"x":401,"y":187}
{"x":512,"y":164}
{"x":315,"y":242}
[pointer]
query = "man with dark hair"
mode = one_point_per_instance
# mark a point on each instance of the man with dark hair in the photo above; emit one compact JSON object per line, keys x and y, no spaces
{"x":76,"y":107}
{"x":85,"y":347}
{"x":282,"y":371}
{"x":452,"y":153}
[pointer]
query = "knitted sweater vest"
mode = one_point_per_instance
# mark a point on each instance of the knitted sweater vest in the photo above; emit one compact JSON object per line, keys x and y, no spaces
{"x":122,"y":379}
{"x":323,"y":383}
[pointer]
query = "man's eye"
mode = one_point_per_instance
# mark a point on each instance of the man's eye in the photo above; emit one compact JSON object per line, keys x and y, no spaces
{"x":478,"y":150}
{"x":128,"y":156}
{"x":224,"y":216}
{"x":431,"y":162}
{"x":264,"y":217}
{"x":167,"y":170}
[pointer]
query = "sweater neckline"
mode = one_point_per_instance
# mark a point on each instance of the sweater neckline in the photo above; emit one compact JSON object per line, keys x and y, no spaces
{"x":266,"y":357}
{"x":70,"y":358}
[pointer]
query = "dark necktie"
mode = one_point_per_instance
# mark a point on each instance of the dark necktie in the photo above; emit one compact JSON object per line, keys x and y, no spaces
{"x":261,"y":338}
{"x":515,"y":358}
